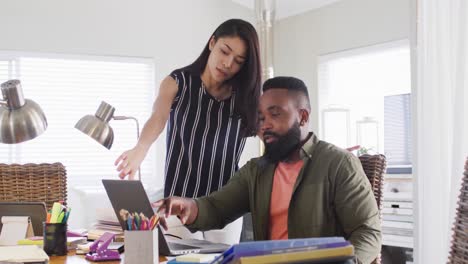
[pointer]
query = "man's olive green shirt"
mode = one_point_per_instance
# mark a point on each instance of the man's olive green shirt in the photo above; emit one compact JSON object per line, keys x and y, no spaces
{"x":331,"y":197}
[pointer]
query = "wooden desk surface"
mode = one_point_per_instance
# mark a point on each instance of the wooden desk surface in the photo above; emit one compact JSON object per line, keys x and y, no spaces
{"x":72,"y":258}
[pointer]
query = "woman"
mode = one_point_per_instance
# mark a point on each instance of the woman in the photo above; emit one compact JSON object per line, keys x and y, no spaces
{"x":211,"y":108}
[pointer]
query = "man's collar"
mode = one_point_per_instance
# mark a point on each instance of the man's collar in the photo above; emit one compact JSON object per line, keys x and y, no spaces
{"x":309,"y":145}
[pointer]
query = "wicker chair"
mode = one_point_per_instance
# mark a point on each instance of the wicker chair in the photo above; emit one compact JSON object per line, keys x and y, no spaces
{"x":374,"y":168}
{"x":459,"y":248}
{"x":33,"y":183}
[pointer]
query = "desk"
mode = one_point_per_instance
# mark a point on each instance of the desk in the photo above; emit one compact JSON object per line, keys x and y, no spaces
{"x":72,"y":258}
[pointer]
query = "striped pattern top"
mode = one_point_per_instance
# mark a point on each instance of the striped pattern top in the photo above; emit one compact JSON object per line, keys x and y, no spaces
{"x":204,"y":142}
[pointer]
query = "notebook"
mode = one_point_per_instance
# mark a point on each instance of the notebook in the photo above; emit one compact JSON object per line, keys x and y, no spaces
{"x":130,"y":195}
{"x":15,"y":228}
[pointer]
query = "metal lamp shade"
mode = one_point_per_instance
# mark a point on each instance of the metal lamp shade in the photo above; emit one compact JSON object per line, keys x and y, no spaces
{"x":97,"y":126}
{"x":20,"y":119}
{"x":96,"y":129}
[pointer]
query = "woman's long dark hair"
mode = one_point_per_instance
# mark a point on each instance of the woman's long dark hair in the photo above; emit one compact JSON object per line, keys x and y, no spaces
{"x":247,"y":82}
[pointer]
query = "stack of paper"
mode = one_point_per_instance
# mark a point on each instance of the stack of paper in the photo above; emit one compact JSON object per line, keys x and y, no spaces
{"x":106,"y":222}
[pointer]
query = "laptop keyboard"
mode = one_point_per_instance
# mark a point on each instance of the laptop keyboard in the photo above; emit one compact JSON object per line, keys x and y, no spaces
{"x":175,"y":246}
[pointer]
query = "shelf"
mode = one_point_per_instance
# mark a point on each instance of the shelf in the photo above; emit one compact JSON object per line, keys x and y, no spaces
{"x":398,"y":176}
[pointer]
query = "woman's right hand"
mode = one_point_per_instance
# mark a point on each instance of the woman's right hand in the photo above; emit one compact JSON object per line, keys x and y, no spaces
{"x":129,"y":162}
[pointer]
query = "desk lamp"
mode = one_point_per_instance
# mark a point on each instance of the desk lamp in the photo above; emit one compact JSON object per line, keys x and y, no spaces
{"x":20,"y":119}
{"x":98,"y":128}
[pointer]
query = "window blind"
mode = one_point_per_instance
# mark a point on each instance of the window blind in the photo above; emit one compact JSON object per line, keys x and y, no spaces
{"x":398,"y":130}
{"x":67,"y":88}
{"x":5,"y":74}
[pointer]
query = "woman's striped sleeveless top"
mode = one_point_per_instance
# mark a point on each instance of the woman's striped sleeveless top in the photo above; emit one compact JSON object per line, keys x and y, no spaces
{"x":204,"y":140}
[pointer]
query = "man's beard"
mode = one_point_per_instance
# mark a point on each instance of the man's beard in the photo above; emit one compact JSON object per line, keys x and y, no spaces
{"x":284,"y":146}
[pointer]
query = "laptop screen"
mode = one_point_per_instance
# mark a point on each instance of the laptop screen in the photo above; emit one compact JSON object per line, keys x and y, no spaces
{"x":128,"y":195}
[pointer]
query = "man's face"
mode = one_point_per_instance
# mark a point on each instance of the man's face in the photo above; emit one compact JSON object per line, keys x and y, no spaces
{"x":278,"y":124}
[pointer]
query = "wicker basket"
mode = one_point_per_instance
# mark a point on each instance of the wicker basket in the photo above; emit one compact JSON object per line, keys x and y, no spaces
{"x":374,"y":168}
{"x":459,"y":248}
{"x":33,"y":183}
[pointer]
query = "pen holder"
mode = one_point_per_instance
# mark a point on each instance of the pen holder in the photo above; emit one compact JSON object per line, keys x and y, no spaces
{"x":55,"y":239}
{"x":141,"y":246}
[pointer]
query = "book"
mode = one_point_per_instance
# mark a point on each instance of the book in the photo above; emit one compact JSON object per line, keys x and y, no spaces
{"x":94,"y":234}
{"x":275,"y":246}
{"x":72,"y":242}
{"x":174,"y":261}
{"x":332,"y":260}
{"x":106,"y":222}
{"x":80,"y":232}
{"x":298,"y":256}
{"x":196,"y":258}
{"x":23,"y":254}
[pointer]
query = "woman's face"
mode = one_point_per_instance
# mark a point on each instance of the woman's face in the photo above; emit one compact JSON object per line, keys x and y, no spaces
{"x":227,"y":56}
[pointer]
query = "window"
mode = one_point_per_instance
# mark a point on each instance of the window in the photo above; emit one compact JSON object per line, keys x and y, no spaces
{"x":368,"y":84}
{"x":67,"y":88}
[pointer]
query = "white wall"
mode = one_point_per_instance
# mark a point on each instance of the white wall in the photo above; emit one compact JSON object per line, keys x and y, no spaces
{"x":340,"y":26}
{"x":172,"y":32}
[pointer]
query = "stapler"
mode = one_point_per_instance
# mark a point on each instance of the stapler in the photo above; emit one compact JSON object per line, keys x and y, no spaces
{"x":98,"y":251}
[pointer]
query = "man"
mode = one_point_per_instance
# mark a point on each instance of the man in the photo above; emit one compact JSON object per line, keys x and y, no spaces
{"x":301,"y":187}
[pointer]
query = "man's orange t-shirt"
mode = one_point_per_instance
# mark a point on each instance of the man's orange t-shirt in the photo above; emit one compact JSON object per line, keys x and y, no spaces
{"x":283,"y":184}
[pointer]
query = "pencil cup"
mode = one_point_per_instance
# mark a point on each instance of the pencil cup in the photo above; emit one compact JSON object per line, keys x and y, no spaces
{"x":55,"y":239}
{"x":141,"y":246}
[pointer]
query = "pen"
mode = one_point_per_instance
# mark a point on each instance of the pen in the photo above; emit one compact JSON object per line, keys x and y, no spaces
{"x":56,"y":209}
{"x":137,"y":220}
{"x":129,"y":223}
{"x":124,"y":214}
{"x":67,"y":213}
{"x":60,"y":217}
{"x":143,"y":221}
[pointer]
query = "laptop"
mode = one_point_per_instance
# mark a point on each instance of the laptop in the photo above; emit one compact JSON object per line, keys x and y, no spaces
{"x":35,"y":210}
{"x":130,"y":195}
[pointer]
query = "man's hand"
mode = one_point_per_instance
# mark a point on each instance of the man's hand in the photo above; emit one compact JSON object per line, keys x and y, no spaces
{"x":184,"y":208}
{"x":353,"y":148}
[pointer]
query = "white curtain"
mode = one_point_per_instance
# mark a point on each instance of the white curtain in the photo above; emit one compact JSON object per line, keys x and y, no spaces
{"x":441,"y":122}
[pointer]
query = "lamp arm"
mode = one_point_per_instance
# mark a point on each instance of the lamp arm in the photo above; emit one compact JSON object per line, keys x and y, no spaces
{"x":138,"y":133}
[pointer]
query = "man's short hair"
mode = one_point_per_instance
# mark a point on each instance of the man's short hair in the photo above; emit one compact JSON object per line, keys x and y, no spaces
{"x":292,"y":84}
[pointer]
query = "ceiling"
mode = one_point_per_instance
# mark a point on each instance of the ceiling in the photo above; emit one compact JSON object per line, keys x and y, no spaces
{"x":286,"y":8}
